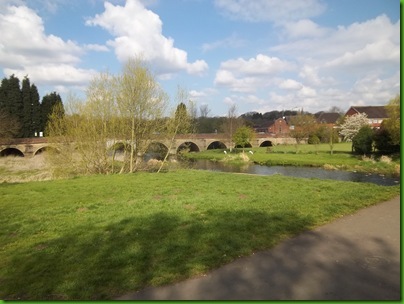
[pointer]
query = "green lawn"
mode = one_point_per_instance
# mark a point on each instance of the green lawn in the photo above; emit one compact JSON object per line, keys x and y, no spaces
{"x":103,"y":236}
{"x":309,"y":155}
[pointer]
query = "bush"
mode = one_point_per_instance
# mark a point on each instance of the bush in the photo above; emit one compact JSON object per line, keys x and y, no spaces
{"x":362,"y":142}
{"x":383,"y":142}
{"x":313,"y":140}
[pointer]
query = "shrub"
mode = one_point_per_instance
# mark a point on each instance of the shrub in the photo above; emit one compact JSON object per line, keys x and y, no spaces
{"x":313,"y":139}
{"x":383,"y":142}
{"x":362,"y":142}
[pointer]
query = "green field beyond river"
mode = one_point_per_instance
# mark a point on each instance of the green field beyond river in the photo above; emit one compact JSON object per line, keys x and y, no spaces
{"x":100,"y":237}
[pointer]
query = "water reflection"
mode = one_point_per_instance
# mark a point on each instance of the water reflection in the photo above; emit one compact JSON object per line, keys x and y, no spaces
{"x":303,"y":172}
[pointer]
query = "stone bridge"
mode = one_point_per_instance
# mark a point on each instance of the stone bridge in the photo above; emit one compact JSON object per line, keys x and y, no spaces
{"x":30,"y":147}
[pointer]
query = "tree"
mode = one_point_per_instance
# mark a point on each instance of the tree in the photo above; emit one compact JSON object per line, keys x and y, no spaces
{"x":392,"y":124}
{"x":9,"y":125}
{"x":352,"y":125}
{"x":35,"y":111}
{"x":84,"y":136}
{"x":180,"y":123}
{"x":48,"y":102}
{"x":182,"y":119}
{"x":363,"y":140}
{"x":243,"y":136}
{"x":143,"y":102}
{"x":231,"y":124}
{"x":27,"y":108}
{"x":302,"y":125}
{"x":383,"y":142}
{"x":14,"y":102}
{"x":204,"y":110}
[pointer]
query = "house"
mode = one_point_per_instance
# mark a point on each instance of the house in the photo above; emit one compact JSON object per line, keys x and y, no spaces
{"x":279,"y":128}
{"x":276,"y":128}
{"x":375,"y":114}
{"x":329,"y":119}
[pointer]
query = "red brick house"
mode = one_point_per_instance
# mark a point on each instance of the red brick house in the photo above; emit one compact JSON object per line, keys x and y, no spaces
{"x":279,"y":128}
{"x":375,"y":114}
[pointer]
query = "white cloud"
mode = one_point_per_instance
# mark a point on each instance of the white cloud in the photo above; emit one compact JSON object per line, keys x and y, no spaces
{"x":240,"y":75}
{"x":270,"y":10}
{"x":25,"y":49}
{"x":138,"y":31}
{"x":373,"y":53}
{"x":290,"y":84}
{"x":48,"y":74}
{"x":304,"y":28}
{"x":196,"y":94}
{"x":347,"y":44}
{"x":261,"y":65}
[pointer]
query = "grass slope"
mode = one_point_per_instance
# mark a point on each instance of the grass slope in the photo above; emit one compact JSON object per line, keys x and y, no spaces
{"x":103,"y":236}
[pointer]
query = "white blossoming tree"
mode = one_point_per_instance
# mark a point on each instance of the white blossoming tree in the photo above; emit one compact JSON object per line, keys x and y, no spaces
{"x":352,"y":125}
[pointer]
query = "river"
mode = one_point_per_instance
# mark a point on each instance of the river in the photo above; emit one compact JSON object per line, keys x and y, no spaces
{"x":302,"y":172}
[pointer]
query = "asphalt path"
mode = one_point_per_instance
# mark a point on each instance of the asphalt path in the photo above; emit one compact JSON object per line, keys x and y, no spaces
{"x":356,"y":257}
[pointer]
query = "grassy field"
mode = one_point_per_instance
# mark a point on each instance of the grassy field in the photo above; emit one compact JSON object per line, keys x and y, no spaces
{"x":103,"y":236}
{"x":310,"y":155}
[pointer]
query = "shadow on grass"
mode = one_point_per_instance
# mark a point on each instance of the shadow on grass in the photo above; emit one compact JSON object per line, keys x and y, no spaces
{"x":104,"y":262}
{"x":312,"y":266}
{"x":138,"y":252}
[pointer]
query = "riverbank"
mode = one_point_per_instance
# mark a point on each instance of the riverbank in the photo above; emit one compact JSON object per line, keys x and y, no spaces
{"x":310,"y":156}
{"x":99,"y":237}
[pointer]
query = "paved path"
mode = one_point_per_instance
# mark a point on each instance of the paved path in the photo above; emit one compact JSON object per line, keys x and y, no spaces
{"x":354,"y":258}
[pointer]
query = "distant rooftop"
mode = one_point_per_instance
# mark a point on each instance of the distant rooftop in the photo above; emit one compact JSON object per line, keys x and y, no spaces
{"x":371,"y":111}
{"x":328,"y":118}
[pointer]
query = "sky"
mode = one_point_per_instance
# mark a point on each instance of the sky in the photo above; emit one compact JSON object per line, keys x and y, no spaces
{"x":260,"y":55}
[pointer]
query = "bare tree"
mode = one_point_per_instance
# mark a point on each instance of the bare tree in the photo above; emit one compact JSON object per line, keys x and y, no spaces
{"x":126,"y":108}
{"x":179,"y":122}
{"x":204,"y":110}
{"x":141,"y":100}
{"x":231,"y":124}
{"x":302,"y":125}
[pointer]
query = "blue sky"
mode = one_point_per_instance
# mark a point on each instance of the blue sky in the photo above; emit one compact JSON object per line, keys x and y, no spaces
{"x":261,"y":55}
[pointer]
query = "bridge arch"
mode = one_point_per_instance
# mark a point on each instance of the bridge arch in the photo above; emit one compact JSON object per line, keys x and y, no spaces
{"x":217,"y":144}
{"x":119,"y":146}
{"x":11,"y":152}
{"x":189,"y":146}
{"x":43,"y":149}
{"x":156,"y":150}
{"x":266,"y":143}
{"x":246,"y":146}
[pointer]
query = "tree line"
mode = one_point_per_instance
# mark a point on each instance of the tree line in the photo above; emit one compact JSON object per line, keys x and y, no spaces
{"x":22,"y":113}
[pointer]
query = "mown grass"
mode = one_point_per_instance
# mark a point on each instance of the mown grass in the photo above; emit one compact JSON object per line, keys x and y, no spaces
{"x":100,"y":237}
{"x":310,"y":155}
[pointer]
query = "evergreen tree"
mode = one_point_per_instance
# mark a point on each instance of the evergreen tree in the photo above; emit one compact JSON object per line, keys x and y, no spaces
{"x":14,"y":98}
{"x":27,"y":108}
{"x":181,"y":115}
{"x":48,"y":102}
{"x":3,"y":95}
{"x":13,"y":101}
{"x":36,"y":110}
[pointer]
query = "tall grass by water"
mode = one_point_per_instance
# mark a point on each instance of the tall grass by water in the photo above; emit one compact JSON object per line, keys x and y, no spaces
{"x":99,"y":237}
